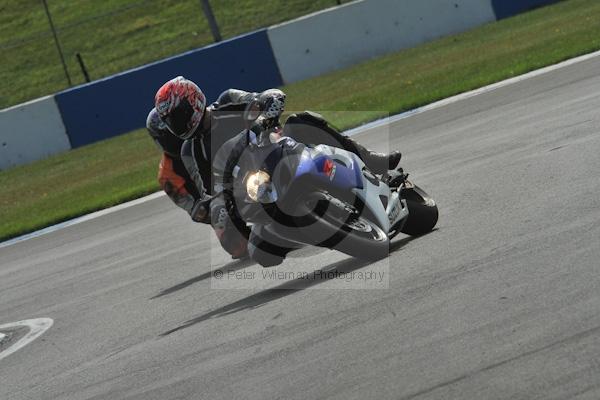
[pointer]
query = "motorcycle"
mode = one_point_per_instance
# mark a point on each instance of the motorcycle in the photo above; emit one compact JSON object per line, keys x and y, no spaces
{"x":319,"y":195}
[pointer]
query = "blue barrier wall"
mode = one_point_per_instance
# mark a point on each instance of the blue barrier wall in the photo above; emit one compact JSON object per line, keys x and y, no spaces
{"x":508,"y":8}
{"x":120,"y":103}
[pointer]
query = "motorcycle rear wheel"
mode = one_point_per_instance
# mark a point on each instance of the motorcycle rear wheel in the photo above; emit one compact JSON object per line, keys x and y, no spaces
{"x":422,"y":212}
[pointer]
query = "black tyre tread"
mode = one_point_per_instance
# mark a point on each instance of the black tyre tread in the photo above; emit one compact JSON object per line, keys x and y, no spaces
{"x":423,"y":212}
{"x":351,"y":244}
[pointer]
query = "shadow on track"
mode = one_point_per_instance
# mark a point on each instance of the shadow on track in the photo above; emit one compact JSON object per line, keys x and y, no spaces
{"x":285,"y":289}
{"x":232,"y":266}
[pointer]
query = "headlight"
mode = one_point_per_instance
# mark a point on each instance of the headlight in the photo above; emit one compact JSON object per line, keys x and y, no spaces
{"x":260,"y":188}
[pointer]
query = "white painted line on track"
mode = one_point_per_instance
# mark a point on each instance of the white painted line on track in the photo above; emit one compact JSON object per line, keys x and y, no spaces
{"x":36,"y":328}
{"x":353,"y":131}
{"x":463,"y":96}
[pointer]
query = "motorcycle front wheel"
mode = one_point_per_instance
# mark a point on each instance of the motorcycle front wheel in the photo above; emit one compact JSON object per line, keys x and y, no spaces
{"x":351,"y":234}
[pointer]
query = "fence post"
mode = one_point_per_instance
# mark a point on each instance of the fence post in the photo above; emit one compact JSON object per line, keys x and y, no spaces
{"x":60,"y":53}
{"x":212,"y":21}
{"x":83,"y":68}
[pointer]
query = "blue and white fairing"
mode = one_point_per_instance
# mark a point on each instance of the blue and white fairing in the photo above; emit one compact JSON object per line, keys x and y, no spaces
{"x":342,"y":176}
{"x":342,"y":171}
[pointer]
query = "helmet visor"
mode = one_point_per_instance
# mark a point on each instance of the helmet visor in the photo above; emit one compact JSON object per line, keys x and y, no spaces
{"x":179,"y":120}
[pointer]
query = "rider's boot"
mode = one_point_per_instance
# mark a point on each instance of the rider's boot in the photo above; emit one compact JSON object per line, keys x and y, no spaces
{"x":379,"y":163}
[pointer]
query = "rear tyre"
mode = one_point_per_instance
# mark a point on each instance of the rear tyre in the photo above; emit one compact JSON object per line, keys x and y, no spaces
{"x":423,"y":212}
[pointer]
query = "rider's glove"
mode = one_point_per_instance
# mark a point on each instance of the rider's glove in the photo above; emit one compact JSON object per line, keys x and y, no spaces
{"x":272,"y":104}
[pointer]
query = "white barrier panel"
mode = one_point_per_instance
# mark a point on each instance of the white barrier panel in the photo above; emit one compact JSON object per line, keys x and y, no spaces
{"x":31,"y":131}
{"x":355,"y":32}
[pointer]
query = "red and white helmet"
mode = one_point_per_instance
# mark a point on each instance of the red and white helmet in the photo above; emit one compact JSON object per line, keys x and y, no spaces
{"x":180,"y":104}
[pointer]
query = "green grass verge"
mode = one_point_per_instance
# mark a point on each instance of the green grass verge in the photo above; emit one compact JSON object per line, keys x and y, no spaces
{"x":123,"y":168}
{"x":77,"y":182}
{"x":114,"y":35}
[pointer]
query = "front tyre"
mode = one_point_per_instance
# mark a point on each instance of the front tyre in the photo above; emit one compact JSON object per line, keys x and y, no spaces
{"x":422,"y":211}
{"x":356,"y":236}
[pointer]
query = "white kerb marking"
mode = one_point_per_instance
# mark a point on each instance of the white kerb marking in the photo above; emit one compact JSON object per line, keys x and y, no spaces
{"x":36,"y":328}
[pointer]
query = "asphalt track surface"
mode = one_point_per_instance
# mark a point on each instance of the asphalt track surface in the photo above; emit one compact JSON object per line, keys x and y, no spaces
{"x":501,"y":301}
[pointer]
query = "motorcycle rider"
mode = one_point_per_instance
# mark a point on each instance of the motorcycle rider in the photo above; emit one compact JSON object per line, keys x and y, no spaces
{"x":189,"y":133}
